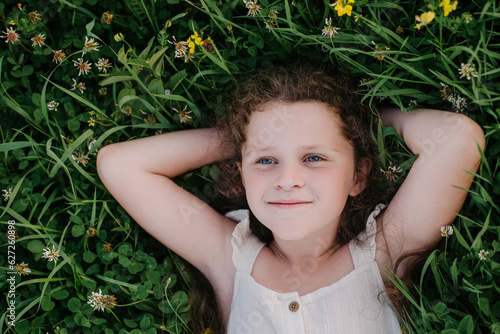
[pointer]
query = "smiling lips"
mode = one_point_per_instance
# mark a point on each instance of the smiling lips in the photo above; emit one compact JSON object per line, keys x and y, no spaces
{"x":288,"y":204}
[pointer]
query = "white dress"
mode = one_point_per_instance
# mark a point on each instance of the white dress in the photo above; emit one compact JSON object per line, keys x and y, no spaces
{"x":350,"y":305}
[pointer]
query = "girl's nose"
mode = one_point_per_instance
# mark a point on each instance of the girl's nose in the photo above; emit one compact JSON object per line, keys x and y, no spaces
{"x":288,"y":177}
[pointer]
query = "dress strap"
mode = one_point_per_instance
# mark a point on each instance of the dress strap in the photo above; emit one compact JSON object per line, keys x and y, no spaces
{"x":249,"y":253}
{"x":246,"y":246}
{"x":363,"y":250}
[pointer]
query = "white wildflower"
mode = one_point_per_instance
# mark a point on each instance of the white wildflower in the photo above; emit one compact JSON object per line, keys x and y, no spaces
{"x":52,"y":105}
{"x":6,"y":194}
{"x":467,"y":70}
{"x":483,"y":255}
{"x":51,"y":254}
{"x":446,"y":231}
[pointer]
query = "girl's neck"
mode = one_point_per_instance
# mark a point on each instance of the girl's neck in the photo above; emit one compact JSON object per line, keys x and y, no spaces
{"x":300,"y":252}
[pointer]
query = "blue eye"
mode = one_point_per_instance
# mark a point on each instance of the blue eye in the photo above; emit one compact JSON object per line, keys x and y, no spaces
{"x":265,"y":161}
{"x":313,"y":158}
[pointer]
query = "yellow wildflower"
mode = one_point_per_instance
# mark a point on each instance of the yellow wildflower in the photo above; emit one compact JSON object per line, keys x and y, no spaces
{"x":343,"y":7}
{"x":119,"y":37}
{"x":448,"y":6}
{"x":424,"y":19}
{"x":192,"y":41}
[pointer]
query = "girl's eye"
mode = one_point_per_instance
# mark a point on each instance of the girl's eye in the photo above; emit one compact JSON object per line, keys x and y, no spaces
{"x":313,"y":158}
{"x":265,"y":161}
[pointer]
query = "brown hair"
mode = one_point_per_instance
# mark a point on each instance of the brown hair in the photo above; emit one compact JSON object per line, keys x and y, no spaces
{"x":300,"y":81}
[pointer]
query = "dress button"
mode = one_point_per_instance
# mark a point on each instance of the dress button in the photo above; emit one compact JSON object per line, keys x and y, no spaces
{"x":293,"y":306}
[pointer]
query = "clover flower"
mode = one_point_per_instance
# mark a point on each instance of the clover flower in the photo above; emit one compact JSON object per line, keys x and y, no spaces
{"x":83,"y":67}
{"x":92,"y":232}
{"x":107,"y":248}
{"x":106,"y":17}
{"x":207,"y":44}
{"x":253,"y":8}
{"x":90,"y":45}
{"x":10,"y":35}
{"x":51,"y":254}
{"x":448,"y":6}
{"x":467,"y":70}
{"x":273,"y":19}
{"x":446,"y":231}
{"x":35,"y":17}
{"x":342,"y":7}
{"x":150,"y":119}
{"x":180,"y":48}
{"x":6,"y":194}
{"x":99,"y":301}
{"x":467,"y":17}
{"x":458,"y":102}
{"x":424,"y":19}
{"x":329,"y":30}
{"x":103,"y":65}
{"x":78,"y":85}
{"x":22,"y":269}
{"x":391,"y":172}
{"x":80,"y":158}
{"x":38,"y":40}
{"x":59,"y":56}
{"x":483,"y":255}
{"x":183,"y":114}
{"x":52,"y":105}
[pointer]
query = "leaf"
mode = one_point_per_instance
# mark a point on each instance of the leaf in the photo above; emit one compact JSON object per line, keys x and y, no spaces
{"x":466,"y":326}
{"x":74,"y":305}
{"x":47,"y":303}
{"x":78,"y":230}
{"x":36,"y":246}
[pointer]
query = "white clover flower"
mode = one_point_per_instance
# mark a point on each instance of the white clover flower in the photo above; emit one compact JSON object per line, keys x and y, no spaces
{"x":90,"y":45}
{"x":467,"y":70}
{"x":99,"y":301}
{"x":103,"y":65}
{"x":329,"y":30}
{"x":483,"y":255}
{"x":446,"y":231}
{"x":22,"y":269}
{"x":253,"y":8}
{"x":51,"y":255}
{"x":52,"y":105}
{"x":6,"y":194}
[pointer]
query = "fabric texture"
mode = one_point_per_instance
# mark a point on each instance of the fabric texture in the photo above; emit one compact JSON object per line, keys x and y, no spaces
{"x":350,"y":305}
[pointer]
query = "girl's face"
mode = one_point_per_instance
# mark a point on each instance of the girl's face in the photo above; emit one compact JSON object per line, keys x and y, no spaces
{"x":298,"y":169}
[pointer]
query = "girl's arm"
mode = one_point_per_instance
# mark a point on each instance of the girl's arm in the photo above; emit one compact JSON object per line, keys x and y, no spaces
{"x":138,"y":174}
{"x":447,"y":147}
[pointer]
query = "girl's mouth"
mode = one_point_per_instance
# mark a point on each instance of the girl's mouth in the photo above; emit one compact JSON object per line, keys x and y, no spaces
{"x":289,"y":204}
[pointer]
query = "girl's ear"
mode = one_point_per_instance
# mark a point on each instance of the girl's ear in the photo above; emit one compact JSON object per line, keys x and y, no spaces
{"x":361,"y":176}
{"x":241,"y":172}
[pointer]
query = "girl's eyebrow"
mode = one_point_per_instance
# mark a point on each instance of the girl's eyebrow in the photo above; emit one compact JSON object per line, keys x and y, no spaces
{"x":313,"y":147}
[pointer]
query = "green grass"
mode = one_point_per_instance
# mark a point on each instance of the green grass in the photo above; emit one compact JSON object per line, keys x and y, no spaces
{"x":57,"y":200}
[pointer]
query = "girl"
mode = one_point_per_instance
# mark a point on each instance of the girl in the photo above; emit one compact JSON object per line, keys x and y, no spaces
{"x":312,"y":253}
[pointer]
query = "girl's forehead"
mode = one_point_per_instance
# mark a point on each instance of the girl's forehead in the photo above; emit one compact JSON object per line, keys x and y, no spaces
{"x":307,"y":123}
